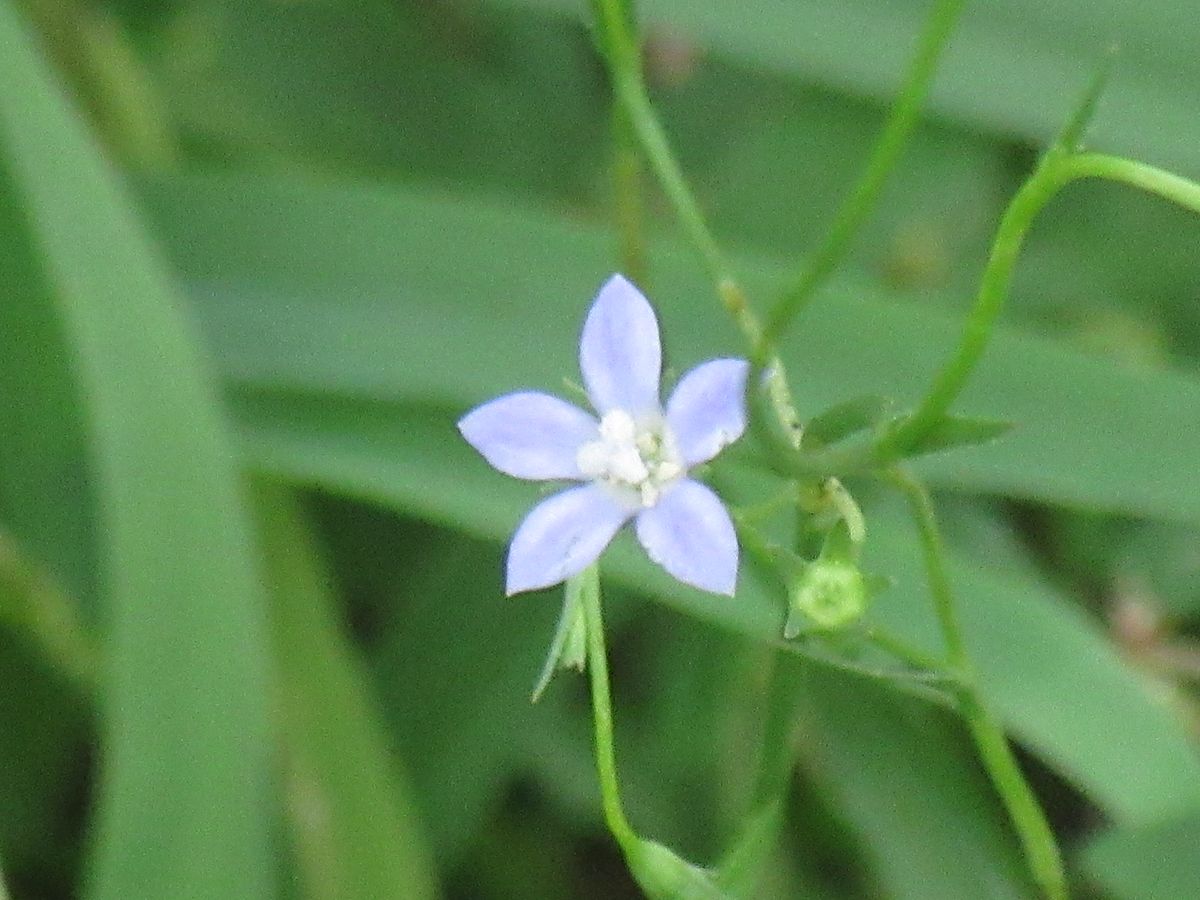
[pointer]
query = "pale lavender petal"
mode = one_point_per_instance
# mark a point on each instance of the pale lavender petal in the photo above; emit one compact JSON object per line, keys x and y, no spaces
{"x":689,"y":533}
{"x":562,"y":536}
{"x":529,"y":435}
{"x":619,"y":352}
{"x":707,"y":410}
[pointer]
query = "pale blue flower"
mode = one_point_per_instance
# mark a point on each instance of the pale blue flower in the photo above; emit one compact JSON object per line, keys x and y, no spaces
{"x":631,"y":464}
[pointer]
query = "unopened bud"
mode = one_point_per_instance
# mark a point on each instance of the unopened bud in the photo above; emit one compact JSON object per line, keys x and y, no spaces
{"x":829,"y":593}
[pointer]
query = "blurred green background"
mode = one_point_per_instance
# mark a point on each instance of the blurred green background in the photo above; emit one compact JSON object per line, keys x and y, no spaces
{"x":256,"y":258}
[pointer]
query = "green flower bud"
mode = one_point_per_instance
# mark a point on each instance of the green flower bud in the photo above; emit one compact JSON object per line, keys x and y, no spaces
{"x":829,"y":593}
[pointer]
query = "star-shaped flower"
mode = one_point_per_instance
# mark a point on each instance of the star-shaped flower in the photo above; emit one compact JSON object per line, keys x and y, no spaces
{"x":632,"y":463}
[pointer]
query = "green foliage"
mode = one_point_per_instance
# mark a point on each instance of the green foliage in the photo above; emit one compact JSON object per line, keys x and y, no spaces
{"x":1153,"y":862}
{"x":183,"y":692}
{"x":298,"y":241}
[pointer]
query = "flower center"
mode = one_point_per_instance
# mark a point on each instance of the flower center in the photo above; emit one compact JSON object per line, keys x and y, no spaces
{"x":636,"y":457}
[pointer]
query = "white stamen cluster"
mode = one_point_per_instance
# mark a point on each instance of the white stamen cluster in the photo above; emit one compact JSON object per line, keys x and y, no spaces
{"x":638,"y":458}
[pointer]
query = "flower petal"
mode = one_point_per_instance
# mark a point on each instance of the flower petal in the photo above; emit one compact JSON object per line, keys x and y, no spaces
{"x":689,"y":533}
{"x":619,"y":352}
{"x":561,"y":536}
{"x":707,"y":410}
{"x":529,"y":435}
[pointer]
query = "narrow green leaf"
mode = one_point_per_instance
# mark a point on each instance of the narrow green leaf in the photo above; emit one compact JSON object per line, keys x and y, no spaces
{"x":1070,"y":139}
{"x":844,"y":419}
{"x":568,"y":649}
{"x":366,"y":840}
{"x":184,"y":763}
{"x":959,"y":431}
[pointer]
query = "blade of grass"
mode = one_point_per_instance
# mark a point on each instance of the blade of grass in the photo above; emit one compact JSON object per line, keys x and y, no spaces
{"x":183,"y":794}
{"x":366,"y":841}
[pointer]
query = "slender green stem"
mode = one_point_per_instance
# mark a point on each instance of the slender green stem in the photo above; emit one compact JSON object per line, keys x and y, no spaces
{"x":888,"y":147}
{"x":1026,"y":814}
{"x":778,"y":754}
{"x":905,"y":652}
{"x":602,"y":717}
{"x":1057,"y":171}
{"x":1155,"y":181}
{"x":899,"y":126}
{"x":935,"y":568}
{"x":627,"y":178}
{"x":742,"y":864}
{"x":622,"y":52}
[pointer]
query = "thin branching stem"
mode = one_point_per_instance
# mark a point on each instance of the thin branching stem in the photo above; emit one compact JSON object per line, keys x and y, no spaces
{"x":1058,"y":170}
{"x":622,"y":52}
{"x":907,"y":653}
{"x":1032,"y":829}
{"x":903,"y":118}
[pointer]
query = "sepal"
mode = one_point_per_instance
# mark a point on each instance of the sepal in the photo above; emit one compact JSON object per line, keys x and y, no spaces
{"x":568,"y":649}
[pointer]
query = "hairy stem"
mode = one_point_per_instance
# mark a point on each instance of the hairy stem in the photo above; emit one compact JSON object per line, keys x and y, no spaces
{"x":1037,"y":840}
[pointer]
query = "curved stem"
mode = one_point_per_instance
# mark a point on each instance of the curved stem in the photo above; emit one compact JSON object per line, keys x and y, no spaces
{"x":855,"y":208}
{"x":602,"y":717}
{"x":1179,"y":190}
{"x":1056,"y":172}
{"x":886,"y":153}
{"x":1026,"y":814}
